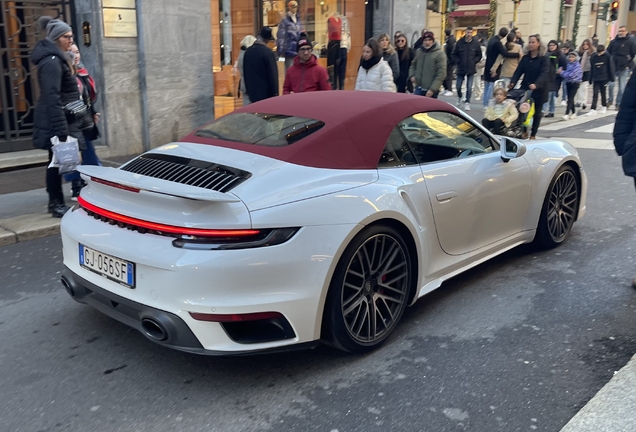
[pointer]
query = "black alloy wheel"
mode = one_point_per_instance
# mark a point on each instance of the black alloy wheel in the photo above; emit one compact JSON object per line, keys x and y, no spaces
{"x":560,"y":208}
{"x":369,"y":291}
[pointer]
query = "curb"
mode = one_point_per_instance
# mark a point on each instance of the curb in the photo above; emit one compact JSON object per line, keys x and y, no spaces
{"x":27,"y":227}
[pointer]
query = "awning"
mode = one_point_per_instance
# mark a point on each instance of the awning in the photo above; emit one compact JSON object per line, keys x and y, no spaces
{"x":469,"y":13}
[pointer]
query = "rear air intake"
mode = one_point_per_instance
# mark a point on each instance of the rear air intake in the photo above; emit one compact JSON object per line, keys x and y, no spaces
{"x":187,"y":171}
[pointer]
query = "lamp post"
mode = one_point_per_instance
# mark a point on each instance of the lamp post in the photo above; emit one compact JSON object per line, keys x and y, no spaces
{"x":444,"y":11}
{"x":515,"y":13}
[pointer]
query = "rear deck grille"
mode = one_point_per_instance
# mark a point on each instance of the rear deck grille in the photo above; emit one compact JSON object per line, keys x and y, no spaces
{"x":187,"y":171}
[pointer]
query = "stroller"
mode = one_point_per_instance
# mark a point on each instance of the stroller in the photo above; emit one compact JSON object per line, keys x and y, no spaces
{"x":525,"y":106}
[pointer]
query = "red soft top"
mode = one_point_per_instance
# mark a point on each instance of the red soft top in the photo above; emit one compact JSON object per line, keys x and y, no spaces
{"x":357,"y":125}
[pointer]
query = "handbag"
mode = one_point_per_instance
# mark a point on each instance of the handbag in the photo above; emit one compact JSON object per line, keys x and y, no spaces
{"x":66,"y":155}
{"x":75,"y":111}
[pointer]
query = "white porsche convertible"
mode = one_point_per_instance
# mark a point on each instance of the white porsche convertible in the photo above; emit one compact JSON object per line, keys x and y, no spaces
{"x":309,"y":218}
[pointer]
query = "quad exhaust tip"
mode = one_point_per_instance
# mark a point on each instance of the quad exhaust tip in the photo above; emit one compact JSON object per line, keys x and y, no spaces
{"x":154,"y":330}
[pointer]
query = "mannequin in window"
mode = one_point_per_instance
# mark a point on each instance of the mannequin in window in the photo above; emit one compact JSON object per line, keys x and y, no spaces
{"x":334,"y":34}
{"x":288,"y":32}
{"x":345,"y":46}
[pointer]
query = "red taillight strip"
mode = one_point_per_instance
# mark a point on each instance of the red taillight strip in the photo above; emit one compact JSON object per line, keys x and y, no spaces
{"x":115,"y":185}
{"x":198,"y":232}
{"x":234,"y":317}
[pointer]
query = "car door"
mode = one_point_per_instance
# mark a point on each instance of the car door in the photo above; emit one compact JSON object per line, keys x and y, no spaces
{"x":476,"y":197}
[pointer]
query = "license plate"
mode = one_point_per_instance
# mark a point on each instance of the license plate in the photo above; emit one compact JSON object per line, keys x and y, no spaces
{"x":113,"y":268}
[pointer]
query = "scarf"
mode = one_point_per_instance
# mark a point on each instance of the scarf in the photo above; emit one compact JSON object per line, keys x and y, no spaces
{"x":368,"y":64}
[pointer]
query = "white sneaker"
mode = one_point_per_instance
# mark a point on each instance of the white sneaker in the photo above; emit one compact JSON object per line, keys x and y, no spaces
{"x":572,"y":116}
{"x":447,"y":93}
{"x":591,"y":112}
{"x":467,"y":107}
{"x":603,"y":110}
{"x":485,"y":108}
{"x":564,"y":103}
{"x":459,"y":102}
{"x":566,"y":117}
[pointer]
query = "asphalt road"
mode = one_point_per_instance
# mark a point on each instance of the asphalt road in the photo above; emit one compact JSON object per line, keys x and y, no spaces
{"x":520,"y":343}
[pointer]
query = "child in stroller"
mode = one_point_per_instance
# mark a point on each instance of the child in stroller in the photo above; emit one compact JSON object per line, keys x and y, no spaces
{"x":501,"y":114}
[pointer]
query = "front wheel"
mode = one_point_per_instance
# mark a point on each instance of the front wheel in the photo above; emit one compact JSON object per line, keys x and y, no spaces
{"x":559,"y":210}
{"x":369,"y":290}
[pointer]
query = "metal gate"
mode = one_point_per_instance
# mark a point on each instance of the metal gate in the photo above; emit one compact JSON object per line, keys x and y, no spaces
{"x":19,"y":91}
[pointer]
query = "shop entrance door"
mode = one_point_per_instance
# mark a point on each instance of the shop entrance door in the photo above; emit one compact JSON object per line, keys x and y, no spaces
{"x":18,"y":81}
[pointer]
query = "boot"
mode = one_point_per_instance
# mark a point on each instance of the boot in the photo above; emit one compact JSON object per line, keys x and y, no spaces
{"x":57,"y":208}
{"x":76,"y":187}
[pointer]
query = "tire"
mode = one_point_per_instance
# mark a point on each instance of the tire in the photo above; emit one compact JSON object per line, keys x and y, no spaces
{"x":369,"y":290}
{"x":560,"y":207}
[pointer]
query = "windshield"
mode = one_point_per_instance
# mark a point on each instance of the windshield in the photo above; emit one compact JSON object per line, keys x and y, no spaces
{"x":271,"y":130}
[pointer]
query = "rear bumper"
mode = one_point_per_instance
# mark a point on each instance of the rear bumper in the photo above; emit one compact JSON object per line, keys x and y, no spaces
{"x":177,"y":333}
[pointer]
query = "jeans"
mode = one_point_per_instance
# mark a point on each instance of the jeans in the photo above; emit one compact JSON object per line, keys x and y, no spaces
{"x":622,"y":77}
{"x":89,"y":157}
{"x":549,"y":105}
{"x":564,"y":91}
{"x":469,"y":86}
{"x":488,"y":90}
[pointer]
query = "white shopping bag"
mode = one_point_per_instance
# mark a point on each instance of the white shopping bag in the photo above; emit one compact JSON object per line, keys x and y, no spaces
{"x":66,"y":155}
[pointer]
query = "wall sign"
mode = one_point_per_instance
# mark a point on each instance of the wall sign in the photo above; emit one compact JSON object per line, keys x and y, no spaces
{"x":122,"y":4}
{"x":120,"y":22}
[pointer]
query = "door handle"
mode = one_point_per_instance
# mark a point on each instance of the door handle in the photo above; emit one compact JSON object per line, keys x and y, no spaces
{"x":446,"y":196}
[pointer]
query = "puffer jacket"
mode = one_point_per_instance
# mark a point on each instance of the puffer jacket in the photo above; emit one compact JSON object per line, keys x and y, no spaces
{"x":557,"y":60}
{"x":378,"y":78}
{"x":625,"y":128}
{"x":507,"y":111}
{"x":287,"y":36}
{"x":391,"y":57}
{"x":573,"y":72}
{"x":306,"y":77}
{"x":58,"y":87}
{"x":429,"y":67}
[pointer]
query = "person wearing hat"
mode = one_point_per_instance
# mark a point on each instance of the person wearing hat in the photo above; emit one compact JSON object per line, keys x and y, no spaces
{"x":305,"y":75}
{"x":246,"y":42}
{"x":428,"y":69}
{"x":259,"y":67}
{"x":288,"y":34}
{"x":572,"y":76}
{"x":58,"y":87}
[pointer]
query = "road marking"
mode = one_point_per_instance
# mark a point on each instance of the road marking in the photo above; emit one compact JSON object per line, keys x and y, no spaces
{"x":608,"y":128}
{"x":585,"y":143}
{"x":577,"y":121}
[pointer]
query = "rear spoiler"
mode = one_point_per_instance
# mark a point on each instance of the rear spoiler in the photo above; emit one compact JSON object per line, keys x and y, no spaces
{"x":141,"y":183}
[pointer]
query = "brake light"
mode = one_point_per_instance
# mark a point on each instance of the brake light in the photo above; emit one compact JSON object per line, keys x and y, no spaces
{"x":115,"y":185}
{"x":163,"y":228}
{"x":235,"y":317}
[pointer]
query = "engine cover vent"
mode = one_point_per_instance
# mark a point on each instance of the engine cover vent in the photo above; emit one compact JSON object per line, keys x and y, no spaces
{"x":187,"y":171}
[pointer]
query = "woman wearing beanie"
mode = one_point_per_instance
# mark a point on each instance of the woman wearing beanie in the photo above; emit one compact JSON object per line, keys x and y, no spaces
{"x":374,"y":73}
{"x":58,"y":87}
{"x":247,"y":42}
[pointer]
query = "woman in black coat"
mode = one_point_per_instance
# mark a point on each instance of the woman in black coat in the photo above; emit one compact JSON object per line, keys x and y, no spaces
{"x":558,"y":63}
{"x":405,"y":56}
{"x":58,"y":87}
{"x":535,"y":68}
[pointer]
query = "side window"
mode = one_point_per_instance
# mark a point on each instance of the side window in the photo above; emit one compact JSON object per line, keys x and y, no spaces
{"x":437,"y":136}
{"x":396,"y":152}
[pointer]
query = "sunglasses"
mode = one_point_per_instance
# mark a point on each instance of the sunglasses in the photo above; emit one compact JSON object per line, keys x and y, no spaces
{"x":401,"y":41}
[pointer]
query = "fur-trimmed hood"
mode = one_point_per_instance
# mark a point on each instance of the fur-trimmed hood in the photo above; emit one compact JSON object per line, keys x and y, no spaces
{"x":543,"y":49}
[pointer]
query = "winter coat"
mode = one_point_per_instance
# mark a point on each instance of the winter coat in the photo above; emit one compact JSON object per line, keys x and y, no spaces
{"x":506,"y":67}
{"x":241,"y":71}
{"x":625,"y":128}
{"x":306,"y":77}
{"x":602,"y":68}
{"x":378,"y":78}
{"x":585,"y":61}
{"x":535,"y":70}
{"x":494,"y":49}
{"x":402,"y":82}
{"x":572,"y":73}
{"x":261,"y":72}
{"x":466,"y":55}
{"x":58,"y":87}
{"x":449,"y":46}
{"x":622,"y":51}
{"x":557,"y":60}
{"x":429,"y":68}
{"x":508,"y":113}
{"x":392,"y":59}
{"x":287,"y":36}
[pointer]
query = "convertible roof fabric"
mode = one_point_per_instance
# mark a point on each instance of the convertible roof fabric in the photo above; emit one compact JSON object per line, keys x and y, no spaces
{"x":357,"y":125}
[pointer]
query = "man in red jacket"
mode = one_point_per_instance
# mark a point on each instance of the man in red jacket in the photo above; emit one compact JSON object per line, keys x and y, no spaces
{"x":305,"y":74}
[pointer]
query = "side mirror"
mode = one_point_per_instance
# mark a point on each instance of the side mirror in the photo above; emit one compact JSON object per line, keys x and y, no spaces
{"x":511,"y":149}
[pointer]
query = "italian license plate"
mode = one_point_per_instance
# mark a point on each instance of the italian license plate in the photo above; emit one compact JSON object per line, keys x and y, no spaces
{"x":113,"y":268}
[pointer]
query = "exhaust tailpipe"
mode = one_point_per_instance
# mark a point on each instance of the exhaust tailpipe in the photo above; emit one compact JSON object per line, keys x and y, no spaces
{"x":154,"y":330}
{"x":68,"y":286}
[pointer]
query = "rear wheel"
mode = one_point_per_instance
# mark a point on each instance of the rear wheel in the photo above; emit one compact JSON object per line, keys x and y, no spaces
{"x":369,"y":290}
{"x":559,"y":209}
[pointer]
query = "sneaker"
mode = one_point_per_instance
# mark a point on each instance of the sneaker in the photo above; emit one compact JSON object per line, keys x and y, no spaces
{"x":549,"y":115}
{"x":603,"y":110}
{"x":478,"y":98}
{"x":485,"y":108}
{"x":572,"y":116}
{"x":564,"y":103}
{"x":533,"y":137}
{"x":584,"y":106}
{"x":459,"y":101}
{"x":467,"y":107}
{"x":447,"y":93}
{"x":591,"y":112}
{"x":566,"y":117}
{"x":577,"y":105}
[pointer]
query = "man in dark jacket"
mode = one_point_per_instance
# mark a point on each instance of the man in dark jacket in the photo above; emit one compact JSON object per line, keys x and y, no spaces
{"x":558,"y":63}
{"x":601,"y":72}
{"x":305,"y":74}
{"x":466,"y":55}
{"x":518,"y":38}
{"x":259,"y":66}
{"x":493,"y":50}
{"x":449,"y":46}
{"x":622,"y":49}
{"x":625,"y":132}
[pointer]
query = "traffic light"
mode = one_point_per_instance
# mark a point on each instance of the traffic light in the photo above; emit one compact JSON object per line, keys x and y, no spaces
{"x":433,"y":5}
{"x":451,"y":6}
{"x":613,"y":11}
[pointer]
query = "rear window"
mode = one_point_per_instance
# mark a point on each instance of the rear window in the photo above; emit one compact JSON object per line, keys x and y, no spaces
{"x":270,"y":130}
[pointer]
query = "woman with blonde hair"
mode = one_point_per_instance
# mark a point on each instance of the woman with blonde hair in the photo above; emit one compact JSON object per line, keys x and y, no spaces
{"x":389,"y":55}
{"x":374,"y":73}
{"x":586,"y":50}
{"x":246,"y":42}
